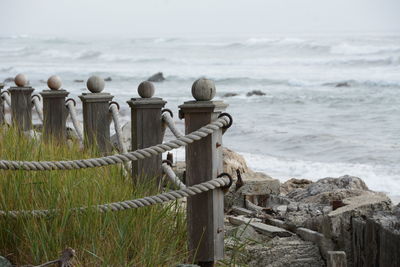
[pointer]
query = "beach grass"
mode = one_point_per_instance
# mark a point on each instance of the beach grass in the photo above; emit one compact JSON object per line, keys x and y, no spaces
{"x":150,"y":236}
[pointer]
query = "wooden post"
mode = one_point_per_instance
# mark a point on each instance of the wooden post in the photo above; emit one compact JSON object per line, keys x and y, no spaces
{"x":54,"y":110}
{"x":336,"y":259}
{"x":21,"y":103}
{"x":2,"y":119}
{"x":204,"y":162}
{"x":96,"y":115}
{"x":146,"y":130}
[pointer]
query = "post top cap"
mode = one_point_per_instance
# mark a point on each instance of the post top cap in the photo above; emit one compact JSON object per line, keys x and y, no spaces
{"x":203,"y":89}
{"x":54,"y":82}
{"x":95,"y":84}
{"x":146,"y":89}
{"x":21,"y":80}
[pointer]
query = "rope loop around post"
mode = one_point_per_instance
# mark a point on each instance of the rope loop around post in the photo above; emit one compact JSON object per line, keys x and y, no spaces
{"x":230,"y":119}
{"x":167,"y":162}
{"x":230,"y":179}
{"x":34,"y":96}
{"x":115,"y":103}
{"x":70,"y":99}
{"x":167,"y":110}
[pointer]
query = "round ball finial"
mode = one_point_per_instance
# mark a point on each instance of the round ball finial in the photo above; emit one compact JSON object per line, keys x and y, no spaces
{"x":54,"y":82}
{"x":95,"y":84}
{"x":21,"y":80}
{"x":146,"y":89}
{"x":203,"y":89}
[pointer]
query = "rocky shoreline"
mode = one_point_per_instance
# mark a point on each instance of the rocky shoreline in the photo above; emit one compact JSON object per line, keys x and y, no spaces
{"x":329,"y":222}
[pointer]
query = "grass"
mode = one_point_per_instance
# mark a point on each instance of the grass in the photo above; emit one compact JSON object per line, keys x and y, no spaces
{"x":151,"y":236}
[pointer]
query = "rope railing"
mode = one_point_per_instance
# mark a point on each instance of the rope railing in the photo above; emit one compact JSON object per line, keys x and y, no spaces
{"x":167,"y":118}
{"x":114,"y":109}
{"x":117,"y":158}
{"x":169,"y":172}
{"x":6,"y":96}
{"x":70,"y":103}
{"x":37,"y":102}
{"x":131,"y":204}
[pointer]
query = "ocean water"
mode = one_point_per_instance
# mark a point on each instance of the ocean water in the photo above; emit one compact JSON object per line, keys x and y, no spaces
{"x":305,"y":126}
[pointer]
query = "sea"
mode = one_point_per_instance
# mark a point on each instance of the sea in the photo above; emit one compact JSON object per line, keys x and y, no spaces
{"x":330,"y":103}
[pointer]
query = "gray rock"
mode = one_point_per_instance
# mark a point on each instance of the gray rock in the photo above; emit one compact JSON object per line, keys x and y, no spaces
{"x":283,"y":252}
{"x":4,"y":262}
{"x":262,"y":228}
{"x":158,"y":77}
{"x":293,"y":184}
{"x":255,"y":92}
{"x":343,"y":84}
{"x":229,"y":94}
{"x":108,"y":79}
{"x":78,"y":81}
{"x":9,"y":80}
{"x":324,"y":191}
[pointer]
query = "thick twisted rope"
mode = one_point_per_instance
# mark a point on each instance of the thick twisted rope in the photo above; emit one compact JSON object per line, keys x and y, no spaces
{"x":172,"y":176}
{"x":118,"y":131}
{"x":118,"y":158}
{"x":130,"y":204}
{"x":6,"y":96}
{"x":166,"y":117}
{"x":77,"y":125}
{"x":36,"y":100}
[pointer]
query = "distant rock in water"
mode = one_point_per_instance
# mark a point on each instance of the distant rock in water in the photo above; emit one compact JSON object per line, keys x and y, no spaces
{"x":108,"y":79}
{"x":158,"y":77}
{"x":343,"y":84}
{"x":78,"y":81}
{"x":229,"y":94}
{"x":255,"y":92}
{"x":9,"y":80}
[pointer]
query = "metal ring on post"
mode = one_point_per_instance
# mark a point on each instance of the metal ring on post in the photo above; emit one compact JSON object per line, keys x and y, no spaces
{"x":230,"y":119}
{"x":116,"y":103}
{"x":167,"y":110}
{"x":70,"y":99}
{"x":168,"y":162}
{"x":32,"y":97}
{"x":230,"y":180}
{"x":5,"y":92}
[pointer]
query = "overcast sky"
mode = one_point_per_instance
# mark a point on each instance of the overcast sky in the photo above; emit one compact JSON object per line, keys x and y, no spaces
{"x":129,"y":18}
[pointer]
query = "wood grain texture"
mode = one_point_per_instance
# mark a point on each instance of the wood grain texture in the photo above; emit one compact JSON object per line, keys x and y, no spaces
{"x":54,"y":114}
{"x":96,"y":120}
{"x":21,"y":107}
{"x":204,"y":162}
{"x":146,"y":131}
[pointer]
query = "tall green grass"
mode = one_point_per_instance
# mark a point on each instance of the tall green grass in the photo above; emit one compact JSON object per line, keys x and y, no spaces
{"x":151,"y":236}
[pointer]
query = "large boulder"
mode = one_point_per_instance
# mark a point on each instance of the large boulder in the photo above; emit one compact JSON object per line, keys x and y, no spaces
{"x":292,"y":184}
{"x":248,"y":183}
{"x":326,"y":190}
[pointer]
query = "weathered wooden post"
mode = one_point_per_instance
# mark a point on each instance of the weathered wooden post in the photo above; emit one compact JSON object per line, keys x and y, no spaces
{"x":146,"y":130}
{"x":54,"y":110}
{"x":2,"y":119}
{"x":204,"y":162}
{"x":21,"y":104}
{"x":96,"y":116}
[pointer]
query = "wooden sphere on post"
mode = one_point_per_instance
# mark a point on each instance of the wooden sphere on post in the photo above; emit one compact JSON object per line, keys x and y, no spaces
{"x":146,"y":89}
{"x":21,"y":80}
{"x":203,"y":89}
{"x":54,"y":82}
{"x":95,"y":84}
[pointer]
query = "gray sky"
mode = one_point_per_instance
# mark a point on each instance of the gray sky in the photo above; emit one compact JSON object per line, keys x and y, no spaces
{"x":129,"y":18}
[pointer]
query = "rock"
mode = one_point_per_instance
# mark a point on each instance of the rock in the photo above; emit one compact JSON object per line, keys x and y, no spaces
{"x":229,"y":94}
{"x":78,"y":81}
{"x":4,"y":262}
{"x":255,"y":184}
{"x":325,"y":245}
{"x":262,"y":228}
{"x":283,"y":252}
{"x":243,"y":211}
{"x":342,"y":84}
{"x":158,"y":77}
{"x":337,"y":224}
{"x":337,"y":259}
{"x":293,"y":184}
{"x":108,"y":79}
{"x":324,"y":191}
{"x":244,"y":233}
{"x":255,"y":92}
